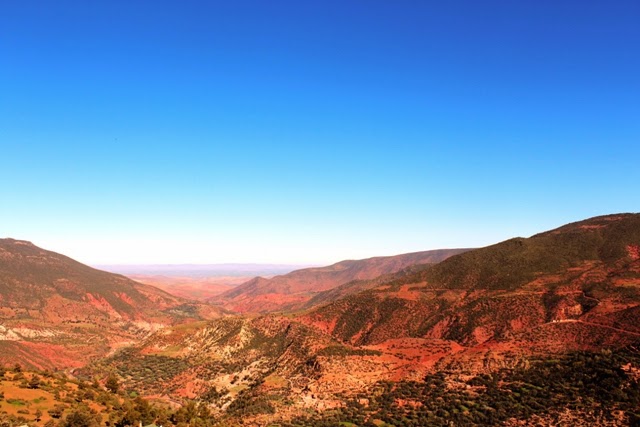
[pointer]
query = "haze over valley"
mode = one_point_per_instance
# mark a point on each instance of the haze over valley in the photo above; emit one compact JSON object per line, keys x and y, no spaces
{"x":197,"y":281}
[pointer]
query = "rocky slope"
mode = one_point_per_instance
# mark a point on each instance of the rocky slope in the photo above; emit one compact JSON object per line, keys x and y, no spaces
{"x":254,"y":368}
{"x":294,"y":290}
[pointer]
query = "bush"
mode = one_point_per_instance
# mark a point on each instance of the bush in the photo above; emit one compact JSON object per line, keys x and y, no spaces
{"x":80,"y":418}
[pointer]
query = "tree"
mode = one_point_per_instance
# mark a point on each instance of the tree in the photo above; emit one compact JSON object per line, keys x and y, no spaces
{"x":112,"y":384}
{"x":56,"y":411}
{"x":163,"y":417}
{"x":79,"y":418}
{"x":131,"y":417}
{"x":34,"y":382}
{"x":145,"y":410}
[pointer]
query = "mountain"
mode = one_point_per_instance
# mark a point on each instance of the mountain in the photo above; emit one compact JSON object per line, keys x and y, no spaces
{"x":258,"y":369}
{"x":293,"y":290}
{"x":531,"y":331}
{"x":575,"y":287}
{"x":356,"y":286}
{"x":52,"y":307}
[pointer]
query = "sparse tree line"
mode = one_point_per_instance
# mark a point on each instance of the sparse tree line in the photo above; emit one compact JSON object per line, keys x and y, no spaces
{"x":594,"y":386}
{"x":104,"y":402}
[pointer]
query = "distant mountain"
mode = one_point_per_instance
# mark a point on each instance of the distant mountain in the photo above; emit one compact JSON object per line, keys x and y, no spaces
{"x":575,"y":287}
{"x":294,"y":290}
{"x":52,"y":307}
{"x":198,"y":281}
{"x":356,"y":286}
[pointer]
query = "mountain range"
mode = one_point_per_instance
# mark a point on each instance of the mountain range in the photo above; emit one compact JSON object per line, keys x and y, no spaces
{"x":294,"y":290}
{"x":367,"y":342}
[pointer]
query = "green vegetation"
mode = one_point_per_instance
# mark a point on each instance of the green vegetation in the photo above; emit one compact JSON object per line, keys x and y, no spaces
{"x":16,"y":402}
{"x":249,"y":403}
{"x":60,"y":401}
{"x":141,"y":372}
{"x":592,"y":385}
{"x":341,"y":350}
{"x":515,"y":262}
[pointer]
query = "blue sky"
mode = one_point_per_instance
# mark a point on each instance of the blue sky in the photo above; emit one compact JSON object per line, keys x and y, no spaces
{"x":311,"y":131}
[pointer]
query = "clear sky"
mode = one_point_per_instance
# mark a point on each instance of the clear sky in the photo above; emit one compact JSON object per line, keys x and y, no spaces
{"x":154,"y":131}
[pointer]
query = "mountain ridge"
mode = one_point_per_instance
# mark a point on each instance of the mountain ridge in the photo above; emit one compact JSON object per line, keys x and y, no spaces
{"x":293,"y":290}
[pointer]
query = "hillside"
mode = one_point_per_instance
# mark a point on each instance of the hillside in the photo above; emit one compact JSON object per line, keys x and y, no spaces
{"x":574,"y":287}
{"x":589,"y":389}
{"x":474,"y":339}
{"x":356,"y":286}
{"x":294,"y":290}
{"x":55,"y":311}
{"x":44,"y":398}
